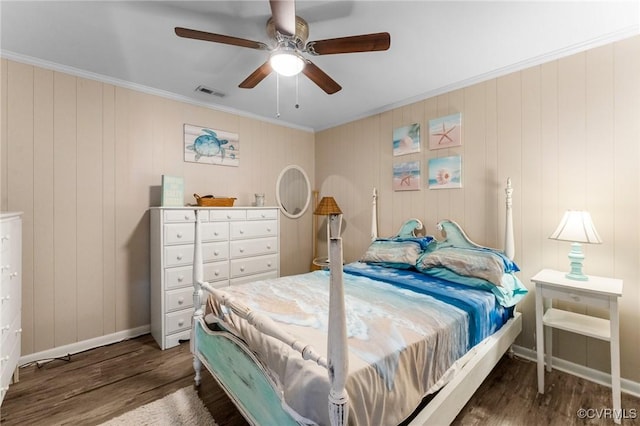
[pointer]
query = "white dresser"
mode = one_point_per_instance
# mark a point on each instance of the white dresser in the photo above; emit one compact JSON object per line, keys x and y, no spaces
{"x":10,"y":298}
{"x":240,"y":244}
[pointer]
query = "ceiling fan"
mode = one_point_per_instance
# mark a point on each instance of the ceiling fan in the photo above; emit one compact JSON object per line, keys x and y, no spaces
{"x":289,"y":34}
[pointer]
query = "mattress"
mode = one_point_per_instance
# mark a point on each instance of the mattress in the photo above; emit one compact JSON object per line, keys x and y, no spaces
{"x":407,"y":333}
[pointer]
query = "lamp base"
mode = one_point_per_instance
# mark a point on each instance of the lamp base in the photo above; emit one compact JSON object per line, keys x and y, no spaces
{"x":576,"y":277}
{"x":576,"y":257}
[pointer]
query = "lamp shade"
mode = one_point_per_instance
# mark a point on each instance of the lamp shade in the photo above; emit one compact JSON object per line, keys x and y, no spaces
{"x":576,"y":226}
{"x":327,"y":206}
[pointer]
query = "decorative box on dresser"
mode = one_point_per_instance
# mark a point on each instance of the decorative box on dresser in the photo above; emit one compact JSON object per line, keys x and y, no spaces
{"x":240,"y":244}
{"x":10,"y":298}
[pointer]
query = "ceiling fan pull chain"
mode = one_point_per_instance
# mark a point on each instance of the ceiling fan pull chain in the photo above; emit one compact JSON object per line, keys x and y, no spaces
{"x":297,"y":102}
{"x":277,"y":95}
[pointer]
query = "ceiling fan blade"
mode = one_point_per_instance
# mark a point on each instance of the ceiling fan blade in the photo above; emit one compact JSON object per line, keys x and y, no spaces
{"x":218,"y":38}
{"x":284,"y":16}
{"x":320,"y":78}
{"x":256,"y":77}
{"x":360,"y":43}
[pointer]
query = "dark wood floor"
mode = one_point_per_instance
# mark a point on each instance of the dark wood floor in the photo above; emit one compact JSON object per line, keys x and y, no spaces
{"x":103,"y":383}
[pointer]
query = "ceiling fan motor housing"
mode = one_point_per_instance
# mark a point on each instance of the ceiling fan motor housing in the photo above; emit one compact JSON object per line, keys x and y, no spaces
{"x":299,"y":39}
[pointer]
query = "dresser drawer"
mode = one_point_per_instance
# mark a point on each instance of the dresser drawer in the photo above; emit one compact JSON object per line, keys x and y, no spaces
{"x":253,"y":265}
{"x":182,"y":276}
{"x":258,"y":214}
{"x":10,"y":334}
{"x":243,"y":248}
{"x":178,"y":299}
{"x":184,"y":233}
{"x":254,"y":229}
{"x":183,"y":254}
{"x":178,"y":321}
{"x":186,"y":215}
{"x":8,"y":363}
{"x":227,"y":214}
{"x":251,"y":278}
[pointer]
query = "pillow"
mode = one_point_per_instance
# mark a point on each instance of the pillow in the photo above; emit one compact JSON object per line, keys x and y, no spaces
{"x":400,"y":253}
{"x":483,"y":264}
{"x":509,"y":293}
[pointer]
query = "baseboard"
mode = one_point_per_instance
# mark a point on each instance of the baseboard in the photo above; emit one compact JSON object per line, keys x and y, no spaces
{"x":597,"y":376}
{"x":74,"y":348}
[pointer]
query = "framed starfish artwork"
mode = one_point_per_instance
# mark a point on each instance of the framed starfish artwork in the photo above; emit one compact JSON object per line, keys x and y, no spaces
{"x":445,"y":132}
{"x":406,"y":176}
{"x":210,"y":146}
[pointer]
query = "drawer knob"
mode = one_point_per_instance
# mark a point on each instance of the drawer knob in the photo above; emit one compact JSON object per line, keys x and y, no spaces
{"x":268,"y":246}
{"x":215,"y":234}
{"x":268,"y":229}
{"x":180,"y":301}
{"x":7,"y":297}
{"x":228,"y":216}
{"x":269,"y":264}
{"x":15,"y":274}
{"x":5,"y":267}
{"x":180,"y":278}
{"x":241,"y":249}
{"x":180,"y":322}
{"x":216,"y":253}
{"x":179,"y":235}
{"x":242,"y":231}
{"x":179,"y":257}
{"x":263,"y":215}
{"x":6,"y":237}
{"x":5,"y":328}
{"x":5,"y":358}
{"x":242,"y":269}
{"x":216,"y":273}
{"x":186,"y":217}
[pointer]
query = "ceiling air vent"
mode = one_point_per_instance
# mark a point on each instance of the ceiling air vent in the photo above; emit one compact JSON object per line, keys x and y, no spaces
{"x":208,"y":91}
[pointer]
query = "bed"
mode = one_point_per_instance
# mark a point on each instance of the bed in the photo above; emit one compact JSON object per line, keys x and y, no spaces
{"x":427,"y":320}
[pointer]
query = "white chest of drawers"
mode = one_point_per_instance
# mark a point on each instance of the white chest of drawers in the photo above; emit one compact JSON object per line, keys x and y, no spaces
{"x":10,"y":298}
{"x":239,"y":245}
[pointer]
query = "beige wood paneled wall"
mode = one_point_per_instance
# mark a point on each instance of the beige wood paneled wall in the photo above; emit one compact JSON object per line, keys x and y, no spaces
{"x":83,"y":160}
{"x":567,"y":133}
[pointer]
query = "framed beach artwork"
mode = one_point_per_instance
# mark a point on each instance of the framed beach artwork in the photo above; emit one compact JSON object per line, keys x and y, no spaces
{"x":445,"y":132}
{"x":406,"y":140}
{"x":209,"y":146}
{"x":406,"y":176}
{"x":445,"y":172}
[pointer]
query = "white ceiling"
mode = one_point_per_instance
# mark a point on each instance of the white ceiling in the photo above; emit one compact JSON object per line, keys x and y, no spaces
{"x":435,"y":47}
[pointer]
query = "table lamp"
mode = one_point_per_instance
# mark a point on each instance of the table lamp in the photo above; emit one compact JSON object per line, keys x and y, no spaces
{"x":577,"y":227}
{"x":327,"y":207}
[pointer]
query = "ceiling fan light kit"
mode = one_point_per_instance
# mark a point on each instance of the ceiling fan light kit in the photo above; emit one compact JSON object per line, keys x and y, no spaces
{"x":286,"y":62}
{"x":289,"y":34}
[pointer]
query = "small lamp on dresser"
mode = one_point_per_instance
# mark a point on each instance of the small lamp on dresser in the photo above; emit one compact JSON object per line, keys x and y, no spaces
{"x":326,"y":207}
{"x":576,"y":227}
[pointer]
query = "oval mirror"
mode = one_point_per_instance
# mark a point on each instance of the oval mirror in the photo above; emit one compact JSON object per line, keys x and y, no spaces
{"x":293,"y":191}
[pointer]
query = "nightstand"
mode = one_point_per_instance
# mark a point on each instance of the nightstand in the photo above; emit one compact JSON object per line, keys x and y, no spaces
{"x":598,"y":292}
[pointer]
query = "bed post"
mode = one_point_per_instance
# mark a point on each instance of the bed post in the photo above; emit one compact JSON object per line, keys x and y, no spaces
{"x":374,"y":216}
{"x":509,"y":244}
{"x":197,"y":296}
{"x":338,"y":364}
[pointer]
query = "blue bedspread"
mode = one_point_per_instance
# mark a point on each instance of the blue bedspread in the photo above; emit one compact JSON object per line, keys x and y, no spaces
{"x":486,"y":315}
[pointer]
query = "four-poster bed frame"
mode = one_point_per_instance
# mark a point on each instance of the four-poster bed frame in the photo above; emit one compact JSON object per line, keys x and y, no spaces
{"x":254,"y":391}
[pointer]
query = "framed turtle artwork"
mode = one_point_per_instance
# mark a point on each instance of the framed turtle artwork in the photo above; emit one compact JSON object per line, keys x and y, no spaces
{"x":209,"y":146}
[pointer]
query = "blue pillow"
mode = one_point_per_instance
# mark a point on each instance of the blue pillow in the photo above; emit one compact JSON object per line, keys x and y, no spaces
{"x":509,"y":293}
